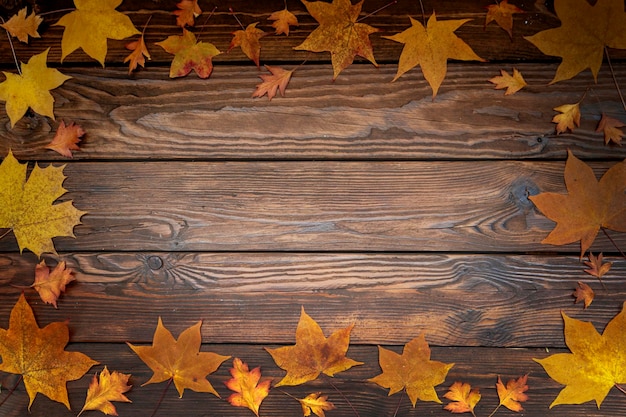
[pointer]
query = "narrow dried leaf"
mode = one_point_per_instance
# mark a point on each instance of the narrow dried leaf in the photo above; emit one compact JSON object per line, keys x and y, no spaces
{"x":463,"y":396}
{"x":568,"y":119}
{"x":277,"y":81}
{"x":51,"y":285}
{"x":502,"y":13}
{"x":248,"y":391}
{"x":512,"y":83}
{"x":109,"y":386}
{"x":609,"y":126}
{"x":189,"y":10}
{"x":138,"y":55}
{"x":513,"y":394}
{"x":282,"y":20}
{"x":315,"y":403}
{"x":583,"y":293}
{"x":66,"y":139}
{"x":21,"y":26}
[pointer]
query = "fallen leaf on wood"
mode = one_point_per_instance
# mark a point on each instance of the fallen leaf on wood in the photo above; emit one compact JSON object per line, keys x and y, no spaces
{"x":66,"y":139}
{"x":31,"y":88}
{"x":512,"y":83}
{"x":595,"y":365}
{"x":597,"y":268}
{"x":431,"y":47}
{"x":26,"y":206}
{"x":110,"y":386}
{"x":189,"y":54}
{"x":413,"y":370}
{"x":315,"y":403}
{"x":313,"y":353}
{"x":502,"y":13}
{"x":583,"y":293}
{"x":22,"y":26}
{"x":188,"y":11}
{"x":568,"y":119}
{"x":609,"y":126}
{"x":277,"y":81}
{"x":339,"y":33}
{"x":38,"y":354}
{"x":589,"y":206}
{"x":91,"y":24}
{"x":249,"y":41}
{"x":248,"y":392}
{"x":51,"y":285}
{"x":138,"y":55}
{"x":584,"y":33}
{"x":180,"y":360}
{"x":282,"y":20}
{"x":463,"y":396}
{"x":513,"y":394}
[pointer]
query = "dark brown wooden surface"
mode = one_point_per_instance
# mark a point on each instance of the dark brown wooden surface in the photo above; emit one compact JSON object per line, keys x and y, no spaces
{"x":364,"y":201}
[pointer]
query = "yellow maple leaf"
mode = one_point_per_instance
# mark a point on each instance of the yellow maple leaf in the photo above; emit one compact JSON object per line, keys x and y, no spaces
{"x":512,"y":83}
{"x":568,"y":119}
{"x":502,"y":13}
{"x":91,"y":24}
{"x":189,"y":54}
{"x":413,"y":370}
{"x":584,"y":33}
{"x":596,"y":363}
{"x":339,"y":33}
{"x":431,"y":47}
{"x":282,"y":20}
{"x":610,"y":127}
{"x":315,"y":403}
{"x":31,"y":88}
{"x":26,"y":206}
{"x":110,"y":386}
{"x":249,"y":41}
{"x":248,"y":392}
{"x":22,"y":26}
{"x":51,"y":285}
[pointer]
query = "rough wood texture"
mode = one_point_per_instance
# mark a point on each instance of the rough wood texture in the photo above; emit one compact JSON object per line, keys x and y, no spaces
{"x":363,"y":200}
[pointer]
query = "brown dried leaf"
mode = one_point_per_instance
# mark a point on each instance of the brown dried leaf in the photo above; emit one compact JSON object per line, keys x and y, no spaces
{"x":583,"y":293}
{"x":138,"y":55}
{"x":51,"y":285}
{"x":189,"y":10}
{"x":282,"y":20}
{"x":277,"y":81}
{"x":249,"y":41}
{"x":22,"y":27}
{"x":512,"y":83}
{"x":609,"y":126}
{"x":66,"y":139}
{"x":502,"y":13}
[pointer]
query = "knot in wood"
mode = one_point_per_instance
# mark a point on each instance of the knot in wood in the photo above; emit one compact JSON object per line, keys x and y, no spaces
{"x":154,"y":262}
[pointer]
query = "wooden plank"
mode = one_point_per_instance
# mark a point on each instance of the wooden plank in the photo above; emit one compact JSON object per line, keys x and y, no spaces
{"x":477,"y":366}
{"x":458,"y":300}
{"x":308,"y":206}
{"x":359,"y":116}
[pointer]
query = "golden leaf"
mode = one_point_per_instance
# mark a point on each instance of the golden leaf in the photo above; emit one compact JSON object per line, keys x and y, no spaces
{"x":568,"y":119}
{"x":51,"y":285}
{"x":248,"y":392}
{"x":512,"y":83}
{"x":110,"y":386}
{"x":189,"y":54}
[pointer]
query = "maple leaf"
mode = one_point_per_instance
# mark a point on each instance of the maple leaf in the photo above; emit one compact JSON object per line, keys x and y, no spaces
{"x":502,"y":13}
{"x":248,"y":392}
{"x":513,"y":394}
{"x":584,"y":33}
{"x":465,"y":398}
{"x":431,"y":47}
{"x":66,"y":139}
{"x":413,"y":370}
{"x":590,"y":205}
{"x":189,"y":10}
{"x":249,"y":41}
{"x":609,"y":126}
{"x":512,"y":83}
{"x":22,"y":26}
{"x":315,"y":403}
{"x":313,"y":353}
{"x":189,"y":54}
{"x":51,"y":285}
{"x":339,"y":33}
{"x":38,"y":355}
{"x":26,"y":206}
{"x":583,"y":293}
{"x":180,"y":360}
{"x":138,"y":55}
{"x":596,"y":362}
{"x":91,"y":24}
{"x":31,"y":88}
{"x":110,"y":386}
{"x":568,"y":119}
{"x":282,"y":20}
{"x":277,"y":81}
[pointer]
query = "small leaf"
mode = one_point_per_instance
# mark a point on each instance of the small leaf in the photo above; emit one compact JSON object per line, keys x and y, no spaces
{"x":512,"y":83}
{"x":51,"y":285}
{"x":277,"y":81}
{"x":609,"y":126}
{"x":66,"y":139}
{"x":465,"y":398}
{"x":513,"y":394}
{"x":282,"y":20}
{"x":138,"y":55}
{"x":108,"y":387}
{"x":189,"y":10}
{"x":596,"y":267}
{"x":569,"y":119}
{"x":22,"y":27}
{"x":315,"y":403}
{"x":502,"y":13}
{"x":248,"y":392}
{"x":583,"y":293}
{"x":249,"y":41}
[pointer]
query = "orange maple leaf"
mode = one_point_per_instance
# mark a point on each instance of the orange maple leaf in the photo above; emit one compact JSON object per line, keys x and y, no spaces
{"x":502,"y":13}
{"x":39,"y":355}
{"x":108,"y":387}
{"x":189,"y":54}
{"x":313,"y":353}
{"x":412,"y":370}
{"x":249,"y":41}
{"x":66,"y":139}
{"x":189,"y":10}
{"x":248,"y":392}
{"x":180,"y":360}
{"x":584,"y":34}
{"x":315,"y":403}
{"x":51,"y":285}
{"x":583,"y":293}
{"x":465,"y":398}
{"x":513,"y":394}
{"x":568,"y":119}
{"x":282,"y":20}
{"x":138,"y":55}
{"x":609,"y":126}
{"x":277,"y":81}
{"x":590,"y":205}
{"x":339,"y":33}
{"x":21,"y":26}
{"x":512,"y":83}
{"x":431,"y":47}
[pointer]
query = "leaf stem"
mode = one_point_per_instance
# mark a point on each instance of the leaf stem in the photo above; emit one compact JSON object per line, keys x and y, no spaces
{"x":5,"y":233}
{"x":494,"y":411}
{"x":378,"y":10}
{"x":56,"y":11}
{"x":613,"y":242}
{"x":11,"y":390}
{"x":356,"y":413}
{"x":230,"y":9}
{"x":608,"y":59}
{"x":395,"y":413}
{"x":204,"y":24}
{"x":169,"y":382}
{"x":17,"y":64}
{"x":620,"y":388}
{"x":423,"y":13}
